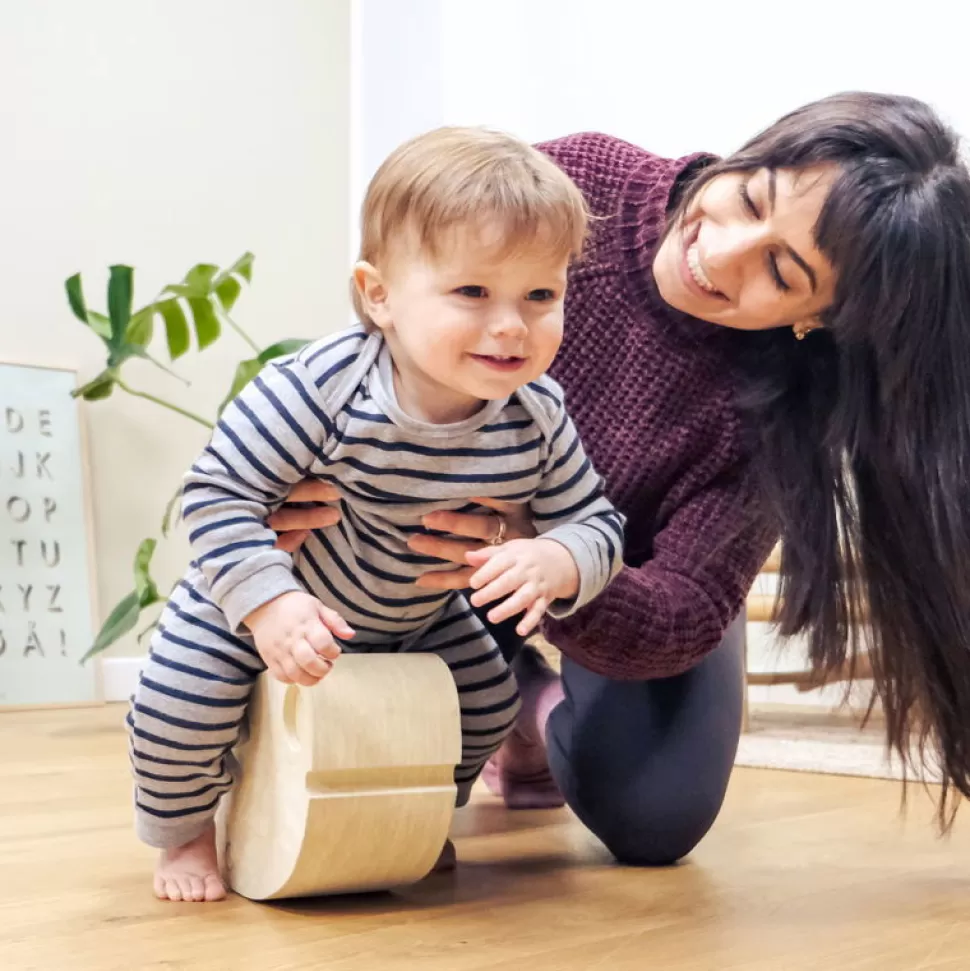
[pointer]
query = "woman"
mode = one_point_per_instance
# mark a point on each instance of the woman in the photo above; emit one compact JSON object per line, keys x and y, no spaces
{"x":773,"y":344}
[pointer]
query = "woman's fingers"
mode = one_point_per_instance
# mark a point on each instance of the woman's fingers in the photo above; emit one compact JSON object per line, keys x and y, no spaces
{"x":293,"y":524}
{"x":286,"y":519}
{"x":445,"y":579}
{"x":483,"y":527}
{"x":313,"y":490}
{"x":291,"y":542}
{"x":441,"y":548}
{"x":480,"y":526}
{"x":517,"y":516}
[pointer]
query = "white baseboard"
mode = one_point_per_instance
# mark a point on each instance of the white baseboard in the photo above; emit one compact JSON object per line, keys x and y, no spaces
{"x":119,"y":676}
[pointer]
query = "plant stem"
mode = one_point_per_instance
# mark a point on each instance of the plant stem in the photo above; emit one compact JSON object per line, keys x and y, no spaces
{"x":164,"y":404}
{"x":242,"y":333}
{"x":167,"y":370}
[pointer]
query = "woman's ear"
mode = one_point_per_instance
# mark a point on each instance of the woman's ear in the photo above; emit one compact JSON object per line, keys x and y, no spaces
{"x":373,"y":293}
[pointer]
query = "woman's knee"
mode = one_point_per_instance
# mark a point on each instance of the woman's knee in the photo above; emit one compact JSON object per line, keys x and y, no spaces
{"x":645,"y":765}
{"x":649,"y":829}
{"x":663,"y":835}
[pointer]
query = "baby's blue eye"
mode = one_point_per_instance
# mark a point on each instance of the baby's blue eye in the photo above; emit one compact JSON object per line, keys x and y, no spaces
{"x":475,"y":292}
{"x":541,"y":295}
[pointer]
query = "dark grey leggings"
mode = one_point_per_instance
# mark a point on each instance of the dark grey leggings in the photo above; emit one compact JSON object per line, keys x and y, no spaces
{"x":645,"y":764}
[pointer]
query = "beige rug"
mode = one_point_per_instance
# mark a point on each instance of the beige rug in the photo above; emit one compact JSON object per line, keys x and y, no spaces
{"x":809,"y":740}
{"x":828,"y":743}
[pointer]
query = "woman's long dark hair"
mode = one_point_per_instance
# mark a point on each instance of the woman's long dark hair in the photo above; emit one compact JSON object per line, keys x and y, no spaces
{"x":865,"y":426}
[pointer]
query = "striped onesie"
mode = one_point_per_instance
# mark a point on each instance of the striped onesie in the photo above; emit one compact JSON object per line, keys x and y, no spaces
{"x":330,"y":412}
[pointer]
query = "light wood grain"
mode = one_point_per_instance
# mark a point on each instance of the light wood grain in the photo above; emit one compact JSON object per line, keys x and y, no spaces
{"x":800,"y":873}
{"x":346,"y":786}
{"x":761,"y":608}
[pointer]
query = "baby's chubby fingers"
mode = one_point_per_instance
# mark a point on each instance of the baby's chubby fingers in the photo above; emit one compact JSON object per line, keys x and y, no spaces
{"x":293,"y":673}
{"x":533,"y":617}
{"x":321,"y":642}
{"x":310,"y":662}
{"x":507,"y":582}
{"x":488,"y":564}
{"x":335,"y":624}
{"x":523,"y":599}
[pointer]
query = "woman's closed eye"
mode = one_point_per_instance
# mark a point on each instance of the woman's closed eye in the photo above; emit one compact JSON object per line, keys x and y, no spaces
{"x":752,"y":209}
{"x":776,"y":276}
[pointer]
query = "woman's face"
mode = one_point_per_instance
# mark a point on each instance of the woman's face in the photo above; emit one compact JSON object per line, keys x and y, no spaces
{"x":744,"y":254}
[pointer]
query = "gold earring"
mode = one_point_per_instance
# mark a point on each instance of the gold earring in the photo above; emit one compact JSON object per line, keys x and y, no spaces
{"x":801,"y":331}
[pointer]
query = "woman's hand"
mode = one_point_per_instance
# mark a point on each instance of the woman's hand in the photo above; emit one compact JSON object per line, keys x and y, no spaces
{"x":479,"y":528}
{"x":294,"y":524}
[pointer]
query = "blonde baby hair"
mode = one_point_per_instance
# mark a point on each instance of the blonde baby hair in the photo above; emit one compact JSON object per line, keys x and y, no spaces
{"x":452,"y":177}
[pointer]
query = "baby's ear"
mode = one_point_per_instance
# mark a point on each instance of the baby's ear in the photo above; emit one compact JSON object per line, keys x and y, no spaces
{"x":372,"y":291}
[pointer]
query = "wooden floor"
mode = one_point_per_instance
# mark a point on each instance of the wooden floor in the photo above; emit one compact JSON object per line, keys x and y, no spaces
{"x":800,"y":872}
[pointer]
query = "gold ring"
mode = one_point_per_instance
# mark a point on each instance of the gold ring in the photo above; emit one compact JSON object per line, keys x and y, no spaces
{"x":499,"y":538}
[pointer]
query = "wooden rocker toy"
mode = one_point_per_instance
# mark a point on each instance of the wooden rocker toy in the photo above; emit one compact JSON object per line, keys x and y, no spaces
{"x":347,"y":786}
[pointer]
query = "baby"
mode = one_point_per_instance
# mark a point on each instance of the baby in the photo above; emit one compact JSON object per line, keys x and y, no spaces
{"x":437,"y":400}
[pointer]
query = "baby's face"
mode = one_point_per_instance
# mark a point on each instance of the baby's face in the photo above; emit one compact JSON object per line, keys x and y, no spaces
{"x":472,"y":323}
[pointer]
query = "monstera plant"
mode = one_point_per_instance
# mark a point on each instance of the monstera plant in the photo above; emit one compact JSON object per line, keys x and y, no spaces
{"x":199,"y":305}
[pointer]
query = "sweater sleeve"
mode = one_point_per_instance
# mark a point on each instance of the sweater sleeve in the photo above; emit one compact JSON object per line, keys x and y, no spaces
{"x":660,"y":619}
{"x":264,"y":443}
{"x":572,"y":509}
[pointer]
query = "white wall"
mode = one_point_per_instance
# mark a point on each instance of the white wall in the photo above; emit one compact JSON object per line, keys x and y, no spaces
{"x":675,"y":78}
{"x":396,"y":83}
{"x":162,"y":133}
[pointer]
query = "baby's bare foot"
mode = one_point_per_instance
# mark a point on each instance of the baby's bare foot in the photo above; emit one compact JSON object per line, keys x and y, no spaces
{"x":191,"y":871}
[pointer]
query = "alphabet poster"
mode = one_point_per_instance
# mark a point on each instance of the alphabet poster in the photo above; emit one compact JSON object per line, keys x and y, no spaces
{"x":46,"y":608}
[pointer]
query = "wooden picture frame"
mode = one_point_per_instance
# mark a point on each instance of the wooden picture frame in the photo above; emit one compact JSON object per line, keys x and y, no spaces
{"x":48,"y":600}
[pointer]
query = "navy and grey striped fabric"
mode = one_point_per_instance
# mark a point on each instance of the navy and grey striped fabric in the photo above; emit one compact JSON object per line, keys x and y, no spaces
{"x":330,"y":412}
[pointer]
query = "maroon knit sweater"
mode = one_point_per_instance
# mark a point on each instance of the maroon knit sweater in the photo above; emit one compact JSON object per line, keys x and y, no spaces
{"x":651,"y":391}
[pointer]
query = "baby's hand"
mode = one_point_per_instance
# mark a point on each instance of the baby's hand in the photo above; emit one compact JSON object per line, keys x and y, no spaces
{"x":294,"y":636}
{"x":531,"y":573}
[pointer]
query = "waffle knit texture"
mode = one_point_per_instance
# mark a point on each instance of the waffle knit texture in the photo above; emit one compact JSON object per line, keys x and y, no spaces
{"x":652,"y":394}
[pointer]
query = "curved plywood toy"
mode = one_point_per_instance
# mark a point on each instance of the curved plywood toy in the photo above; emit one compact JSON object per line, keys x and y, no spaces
{"x":347,"y":786}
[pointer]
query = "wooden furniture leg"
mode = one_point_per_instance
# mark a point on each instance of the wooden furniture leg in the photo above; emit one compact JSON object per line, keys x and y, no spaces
{"x":745,"y":720}
{"x":347,"y":786}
